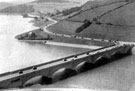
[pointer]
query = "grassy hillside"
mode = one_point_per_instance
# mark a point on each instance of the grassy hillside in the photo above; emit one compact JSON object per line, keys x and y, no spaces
{"x":52,"y":7}
{"x":18,"y":9}
{"x":5,"y":5}
{"x":45,"y":6}
{"x":118,"y":24}
{"x":46,"y":1}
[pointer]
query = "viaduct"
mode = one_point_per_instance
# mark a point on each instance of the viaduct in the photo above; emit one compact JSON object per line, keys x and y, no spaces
{"x":60,"y":69}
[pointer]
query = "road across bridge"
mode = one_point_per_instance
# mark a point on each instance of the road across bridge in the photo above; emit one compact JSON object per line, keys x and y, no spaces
{"x":68,"y":66}
{"x":62,"y":68}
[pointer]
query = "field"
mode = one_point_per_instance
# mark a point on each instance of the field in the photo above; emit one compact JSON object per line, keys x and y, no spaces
{"x":44,"y":6}
{"x":118,"y":24}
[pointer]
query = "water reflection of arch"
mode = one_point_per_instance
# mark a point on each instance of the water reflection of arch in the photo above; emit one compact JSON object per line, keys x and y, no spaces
{"x":63,"y":73}
{"x":40,"y":79}
{"x":33,"y":80}
{"x":35,"y":77}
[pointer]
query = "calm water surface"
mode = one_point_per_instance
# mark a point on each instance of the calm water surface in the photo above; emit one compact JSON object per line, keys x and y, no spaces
{"x":15,"y":54}
{"x":116,"y":76}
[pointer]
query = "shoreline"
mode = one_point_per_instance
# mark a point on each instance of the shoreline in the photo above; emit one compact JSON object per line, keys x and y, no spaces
{"x":35,"y":23}
{"x":40,"y":23}
{"x":10,"y":14}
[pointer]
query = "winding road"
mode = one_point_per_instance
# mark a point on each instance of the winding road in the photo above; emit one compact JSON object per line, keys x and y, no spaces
{"x":84,"y":38}
{"x":68,"y":36}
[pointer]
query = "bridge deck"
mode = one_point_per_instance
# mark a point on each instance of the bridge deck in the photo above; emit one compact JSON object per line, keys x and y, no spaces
{"x":12,"y":74}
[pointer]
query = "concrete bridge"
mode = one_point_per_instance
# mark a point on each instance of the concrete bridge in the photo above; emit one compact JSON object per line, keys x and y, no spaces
{"x":62,"y":68}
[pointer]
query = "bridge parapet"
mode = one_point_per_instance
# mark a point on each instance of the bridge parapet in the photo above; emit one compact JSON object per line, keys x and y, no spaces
{"x":53,"y":69}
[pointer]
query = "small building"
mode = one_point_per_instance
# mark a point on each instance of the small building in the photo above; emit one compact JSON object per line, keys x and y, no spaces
{"x":31,"y":35}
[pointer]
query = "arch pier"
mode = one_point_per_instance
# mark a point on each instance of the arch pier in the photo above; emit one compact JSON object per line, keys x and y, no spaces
{"x":63,"y":68}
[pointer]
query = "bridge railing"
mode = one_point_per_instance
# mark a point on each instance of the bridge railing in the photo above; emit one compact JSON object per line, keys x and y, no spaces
{"x":57,"y":60}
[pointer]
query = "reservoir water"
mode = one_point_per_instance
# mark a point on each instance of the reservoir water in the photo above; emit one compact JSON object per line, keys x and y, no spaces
{"x":15,"y":54}
{"x":116,"y":76}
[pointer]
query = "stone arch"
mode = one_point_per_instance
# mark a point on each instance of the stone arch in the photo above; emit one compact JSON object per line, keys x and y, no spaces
{"x":84,"y":66}
{"x":63,"y":73}
{"x":117,"y":55}
{"x":32,"y":81}
{"x":108,"y":55}
{"x":114,"y":53}
{"x":129,"y":51}
{"x":101,"y":60}
{"x":37,"y":80}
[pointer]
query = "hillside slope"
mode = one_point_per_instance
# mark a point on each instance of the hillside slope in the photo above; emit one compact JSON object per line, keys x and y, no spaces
{"x":45,"y":6}
{"x":46,"y":1}
{"x":5,"y":5}
{"x":115,"y":24}
{"x":18,"y":9}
